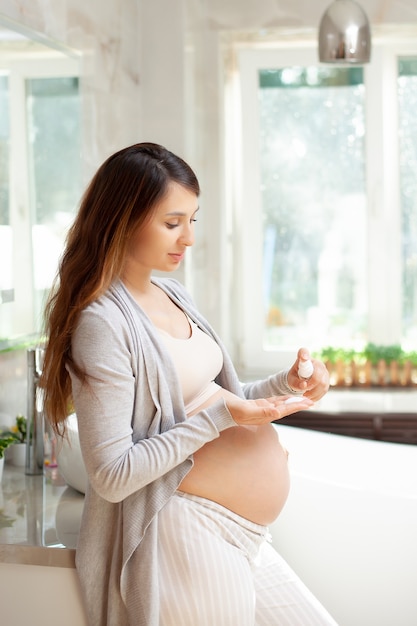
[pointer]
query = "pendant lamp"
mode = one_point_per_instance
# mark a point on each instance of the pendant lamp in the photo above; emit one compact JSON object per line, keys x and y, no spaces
{"x":344,"y":34}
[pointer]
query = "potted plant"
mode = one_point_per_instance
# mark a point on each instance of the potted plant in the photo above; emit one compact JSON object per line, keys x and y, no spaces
{"x":16,"y":454}
{"x":6,"y":440}
{"x":373,"y":366}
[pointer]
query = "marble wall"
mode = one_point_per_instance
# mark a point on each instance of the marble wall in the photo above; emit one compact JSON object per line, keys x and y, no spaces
{"x":107,"y":37}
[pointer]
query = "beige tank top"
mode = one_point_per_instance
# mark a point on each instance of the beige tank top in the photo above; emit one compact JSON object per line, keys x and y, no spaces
{"x":198,"y":360}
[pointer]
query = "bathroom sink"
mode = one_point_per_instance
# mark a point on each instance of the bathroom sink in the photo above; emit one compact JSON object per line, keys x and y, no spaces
{"x":70,"y":461}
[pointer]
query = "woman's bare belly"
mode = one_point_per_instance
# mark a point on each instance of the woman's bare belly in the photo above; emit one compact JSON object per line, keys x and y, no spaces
{"x":245,"y":469}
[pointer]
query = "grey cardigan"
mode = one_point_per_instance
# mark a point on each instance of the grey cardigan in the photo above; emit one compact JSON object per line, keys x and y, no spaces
{"x":137,"y":446}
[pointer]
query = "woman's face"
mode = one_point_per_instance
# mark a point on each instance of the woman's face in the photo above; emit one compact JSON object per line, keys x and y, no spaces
{"x":161,"y":243}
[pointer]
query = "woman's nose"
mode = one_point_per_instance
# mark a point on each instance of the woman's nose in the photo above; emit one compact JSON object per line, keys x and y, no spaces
{"x":187,"y":235}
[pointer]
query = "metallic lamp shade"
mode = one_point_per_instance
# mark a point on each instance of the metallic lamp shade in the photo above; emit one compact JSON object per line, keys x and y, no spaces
{"x":344,"y":34}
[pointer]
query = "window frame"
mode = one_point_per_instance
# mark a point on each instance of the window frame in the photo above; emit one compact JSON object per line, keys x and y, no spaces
{"x":382,"y":193}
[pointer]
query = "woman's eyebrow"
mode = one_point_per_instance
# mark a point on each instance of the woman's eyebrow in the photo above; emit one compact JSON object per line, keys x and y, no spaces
{"x":181,"y":213}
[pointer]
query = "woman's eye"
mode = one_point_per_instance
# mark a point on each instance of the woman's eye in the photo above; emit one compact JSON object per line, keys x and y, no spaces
{"x":170,"y":226}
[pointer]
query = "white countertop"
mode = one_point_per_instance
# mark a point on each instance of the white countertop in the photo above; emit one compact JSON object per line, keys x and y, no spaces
{"x":373,"y":400}
{"x":39,"y":518}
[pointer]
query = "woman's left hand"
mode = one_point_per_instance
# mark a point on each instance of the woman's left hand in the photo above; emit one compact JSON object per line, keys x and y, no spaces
{"x":316,"y":385}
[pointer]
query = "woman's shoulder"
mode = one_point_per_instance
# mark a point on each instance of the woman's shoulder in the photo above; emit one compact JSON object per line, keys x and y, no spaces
{"x":104,"y":305}
{"x":108,"y":319}
{"x":107,"y":309}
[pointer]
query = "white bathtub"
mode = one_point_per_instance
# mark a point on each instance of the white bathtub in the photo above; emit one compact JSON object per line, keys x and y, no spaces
{"x":349,"y":528}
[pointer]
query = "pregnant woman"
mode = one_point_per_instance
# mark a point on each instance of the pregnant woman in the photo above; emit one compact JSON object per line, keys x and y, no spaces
{"x":185,"y":470}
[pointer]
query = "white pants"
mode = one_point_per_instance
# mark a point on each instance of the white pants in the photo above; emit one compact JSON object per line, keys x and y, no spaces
{"x":218,"y":569}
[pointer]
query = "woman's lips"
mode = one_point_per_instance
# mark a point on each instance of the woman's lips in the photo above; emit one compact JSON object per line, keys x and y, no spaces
{"x":177,"y":257}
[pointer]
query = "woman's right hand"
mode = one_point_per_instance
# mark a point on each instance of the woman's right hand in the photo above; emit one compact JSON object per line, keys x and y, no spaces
{"x":265,"y":410}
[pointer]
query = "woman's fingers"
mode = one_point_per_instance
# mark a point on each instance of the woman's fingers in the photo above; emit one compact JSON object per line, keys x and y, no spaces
{"x":258,"y":412}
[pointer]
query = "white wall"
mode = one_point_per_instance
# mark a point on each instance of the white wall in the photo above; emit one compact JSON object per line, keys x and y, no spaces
{"x":108,"y":37}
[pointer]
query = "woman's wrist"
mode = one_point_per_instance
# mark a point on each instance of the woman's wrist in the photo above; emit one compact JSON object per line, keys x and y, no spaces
{"x":286,"y":385}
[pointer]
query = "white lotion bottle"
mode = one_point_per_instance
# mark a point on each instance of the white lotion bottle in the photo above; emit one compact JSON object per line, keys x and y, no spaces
{"x":305,"y":369}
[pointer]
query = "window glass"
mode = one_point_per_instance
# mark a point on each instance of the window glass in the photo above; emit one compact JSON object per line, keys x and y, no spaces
{"x":6,"y":274}
{"x":407,"y":96}
{"x":4,"y":150}
{"x":312,"y":134}
{"x":55,"y":174}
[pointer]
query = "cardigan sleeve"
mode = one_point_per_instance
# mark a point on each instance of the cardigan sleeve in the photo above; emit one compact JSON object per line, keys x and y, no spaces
{"x":275,"y":385}
{"x":118,"y":459}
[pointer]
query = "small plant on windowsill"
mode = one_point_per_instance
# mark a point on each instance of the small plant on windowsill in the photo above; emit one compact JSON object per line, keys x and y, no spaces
{"x":18,"y":432}
{"x":5,"y":441}
{"x":373,"y":366}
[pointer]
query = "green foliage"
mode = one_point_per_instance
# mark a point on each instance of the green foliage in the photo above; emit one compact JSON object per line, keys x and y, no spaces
{"x":5,"y":520}
{"x":17,"y":434}
{"x":19,"y":343}
{"x":21,"y":428}
{"x":412,"y":357}
{"x":374,"y":353}
{"x":331,"y":354}
{"x":5,"y":442}
{"x":371,"y":352}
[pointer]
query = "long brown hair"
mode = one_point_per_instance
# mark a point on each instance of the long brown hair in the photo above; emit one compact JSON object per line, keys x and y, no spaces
{"x":120,"y":198}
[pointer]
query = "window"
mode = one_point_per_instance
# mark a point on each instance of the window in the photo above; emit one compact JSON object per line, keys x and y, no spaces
{"x":40,"y":180}
{"x":329,"y":198}
{"x":5,"y":235}
{"x":407,"y":98}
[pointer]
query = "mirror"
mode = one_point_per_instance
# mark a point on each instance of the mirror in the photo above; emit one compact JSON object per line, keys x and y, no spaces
{"x":40,"y":172}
